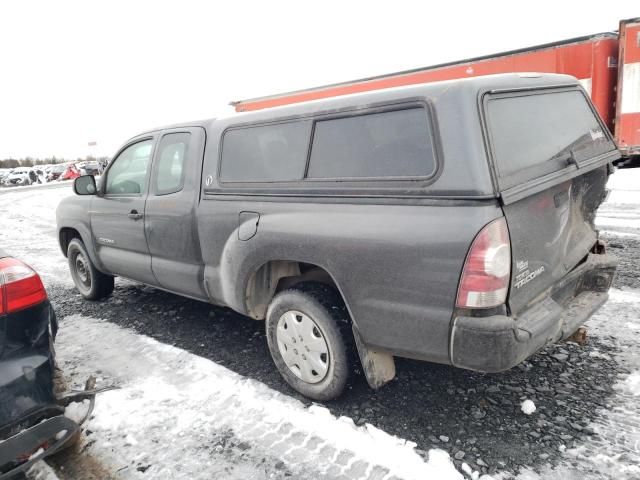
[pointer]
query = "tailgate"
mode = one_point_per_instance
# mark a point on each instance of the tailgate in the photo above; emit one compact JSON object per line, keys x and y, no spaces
{"x":551,"y":157}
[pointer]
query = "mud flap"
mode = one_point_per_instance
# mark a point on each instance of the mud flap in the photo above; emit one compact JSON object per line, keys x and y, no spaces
{"x":379,"y":367}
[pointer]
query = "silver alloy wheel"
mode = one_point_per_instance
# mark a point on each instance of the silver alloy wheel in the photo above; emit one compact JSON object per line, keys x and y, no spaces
{"x":303,"y":346}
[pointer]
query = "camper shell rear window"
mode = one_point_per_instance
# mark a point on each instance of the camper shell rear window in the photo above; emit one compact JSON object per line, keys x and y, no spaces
{"x":535,"y":133}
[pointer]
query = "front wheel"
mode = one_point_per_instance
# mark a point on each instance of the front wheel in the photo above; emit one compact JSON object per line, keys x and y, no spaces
{"x":307,"y":347}
{"x":90,"y":282}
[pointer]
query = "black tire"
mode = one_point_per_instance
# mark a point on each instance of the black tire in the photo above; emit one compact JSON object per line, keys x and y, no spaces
{"x":324,"y":306}
{"x":90,"y":282}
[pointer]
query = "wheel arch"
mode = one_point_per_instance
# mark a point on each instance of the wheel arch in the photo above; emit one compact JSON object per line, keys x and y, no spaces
{"x":67,"y":233}
{"x":274,"y":276}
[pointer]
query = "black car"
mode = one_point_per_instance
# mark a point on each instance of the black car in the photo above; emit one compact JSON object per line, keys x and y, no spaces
{"x":32,"y":421}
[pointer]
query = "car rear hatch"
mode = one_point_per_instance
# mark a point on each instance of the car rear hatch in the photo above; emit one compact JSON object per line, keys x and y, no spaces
{"x":551,"y":157}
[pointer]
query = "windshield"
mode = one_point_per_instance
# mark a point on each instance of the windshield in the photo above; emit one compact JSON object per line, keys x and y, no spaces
{"x":537,"y":133}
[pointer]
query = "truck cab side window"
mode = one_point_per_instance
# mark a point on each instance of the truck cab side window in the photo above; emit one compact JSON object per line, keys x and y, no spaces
{"x":128,"y":173}
{"x":169,"y":174}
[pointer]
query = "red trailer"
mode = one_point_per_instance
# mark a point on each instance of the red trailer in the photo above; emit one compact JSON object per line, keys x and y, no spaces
{"x":627,"y":121}
{"x":607,"y":65}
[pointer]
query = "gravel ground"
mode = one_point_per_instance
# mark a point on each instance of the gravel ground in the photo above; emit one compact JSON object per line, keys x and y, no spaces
{"x":475,"y":417}
{"x":627,"y":249}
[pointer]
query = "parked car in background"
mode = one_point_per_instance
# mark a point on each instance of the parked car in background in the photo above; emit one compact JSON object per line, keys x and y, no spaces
{"x":32,"y":421}
{"x":70,"y":172}
{"x":55,"y":172}
{"x":37,"y":175}
{"x":4,"y":173}
{"x":449,"y":222}
{"x":91,"y":168}
{"x":21,"y":176}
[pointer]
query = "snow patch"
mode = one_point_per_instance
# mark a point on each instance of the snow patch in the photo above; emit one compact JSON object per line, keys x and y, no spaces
{"x":172,"y":403}
{"x":41,"y":471}
{"x":76,"y":411}
{"x":631,"y":384}
{"x":625,"y":187}
{"x":32,"y":234}
{"x":528,"y":407}
{"x":37,"y":453}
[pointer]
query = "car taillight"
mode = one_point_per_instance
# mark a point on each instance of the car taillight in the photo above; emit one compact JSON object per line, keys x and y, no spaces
{"x":485,"y":278}
{"x":20,"y":286}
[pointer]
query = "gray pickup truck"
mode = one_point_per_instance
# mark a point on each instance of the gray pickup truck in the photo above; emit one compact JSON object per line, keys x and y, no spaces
{"x":451,"y":222}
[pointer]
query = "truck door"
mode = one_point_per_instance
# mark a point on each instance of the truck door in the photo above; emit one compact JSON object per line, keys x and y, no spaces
{"x":170,"y":215}
{"x":117,"y":216}
{"x":628,"y":104}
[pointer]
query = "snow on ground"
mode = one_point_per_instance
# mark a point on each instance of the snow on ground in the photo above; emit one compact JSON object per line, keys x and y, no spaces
{"x":620,"y":214}
{"x":632,"y":384}
{"x":528,"y":407}
{"x":173,"y":404}
{"x":614,"y":451}
{"x":42,"y":471}
{"x":29,"y":229}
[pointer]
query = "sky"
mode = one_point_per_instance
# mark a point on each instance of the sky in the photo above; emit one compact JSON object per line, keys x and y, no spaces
{"x":74,"y":72}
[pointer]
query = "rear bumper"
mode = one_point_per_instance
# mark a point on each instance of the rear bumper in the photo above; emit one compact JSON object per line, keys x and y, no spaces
{"x":499,"y":342}
{"x":20,"y":452}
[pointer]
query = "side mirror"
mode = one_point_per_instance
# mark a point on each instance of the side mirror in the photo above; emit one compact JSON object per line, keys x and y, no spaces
{"x":85,"y":185}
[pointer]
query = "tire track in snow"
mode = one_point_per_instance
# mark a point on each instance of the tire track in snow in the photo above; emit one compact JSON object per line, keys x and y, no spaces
{"x":172,"y":403}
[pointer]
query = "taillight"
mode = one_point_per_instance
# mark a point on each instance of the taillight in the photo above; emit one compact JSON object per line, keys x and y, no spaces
{"x":487,"y":269}
{"x":20,"y":286}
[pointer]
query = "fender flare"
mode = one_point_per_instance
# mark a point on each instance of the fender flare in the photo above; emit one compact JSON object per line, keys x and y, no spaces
{"x":87,"y":238}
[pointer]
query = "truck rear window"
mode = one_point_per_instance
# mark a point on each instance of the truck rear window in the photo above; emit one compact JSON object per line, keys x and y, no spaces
{"x":534,"y":134}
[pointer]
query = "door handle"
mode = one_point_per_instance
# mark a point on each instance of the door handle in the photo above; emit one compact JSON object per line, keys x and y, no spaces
{"x":134,"y":215}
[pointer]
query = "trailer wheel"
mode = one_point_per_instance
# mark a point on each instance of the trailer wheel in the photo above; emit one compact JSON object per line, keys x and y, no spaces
{"x":305,"y":341}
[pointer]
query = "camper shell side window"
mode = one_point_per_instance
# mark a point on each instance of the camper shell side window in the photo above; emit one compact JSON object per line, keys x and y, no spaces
{"x":386,"y":143}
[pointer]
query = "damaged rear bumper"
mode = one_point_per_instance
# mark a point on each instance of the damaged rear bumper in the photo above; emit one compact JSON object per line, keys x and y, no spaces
{"x":51,"y":430}
{"x":33,"y":424}
{"x":20,"y":452}
{"x":499,"y":342}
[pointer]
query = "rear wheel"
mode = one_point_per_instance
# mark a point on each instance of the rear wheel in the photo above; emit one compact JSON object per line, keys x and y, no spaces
{"x":90,"y":282}
{"x":303,"y":333}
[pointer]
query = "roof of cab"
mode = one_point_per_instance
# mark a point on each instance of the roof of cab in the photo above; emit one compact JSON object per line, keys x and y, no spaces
{"x":194,"y":123}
